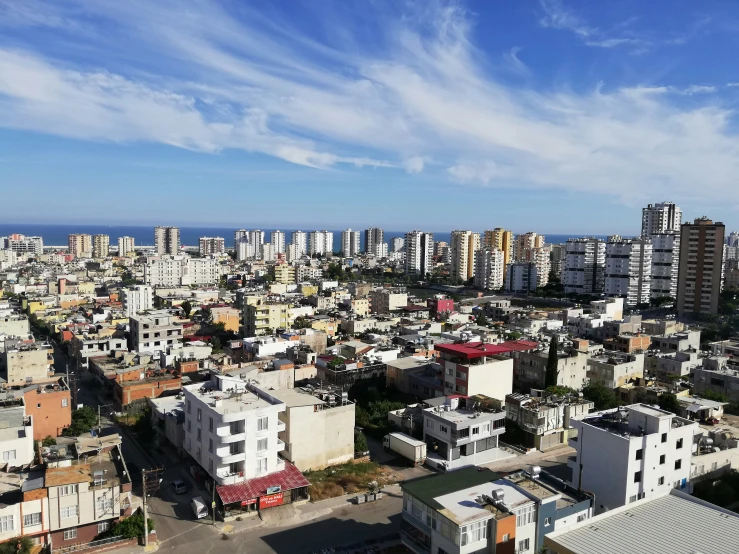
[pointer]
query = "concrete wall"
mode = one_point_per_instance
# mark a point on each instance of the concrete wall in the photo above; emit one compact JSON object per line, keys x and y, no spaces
{"x":51,"y":411}
{"x":494,"y":379}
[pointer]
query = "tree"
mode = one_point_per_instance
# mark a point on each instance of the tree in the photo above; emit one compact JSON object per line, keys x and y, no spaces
{"x":186,"y":308}
{"x":48,"y":441}
{"x":712,"y":395}
{"x":129,"y":528}
{"x":550,"y":377}
{"x":481,"y":319}
{"x":600,"y":395}
{"x":513,"y":335}
{"x":215,"y":342}
{"x":17,"y":545}
{"x":360,"y":443}
{"x":83,"y":420}
{"x":669,"y":402}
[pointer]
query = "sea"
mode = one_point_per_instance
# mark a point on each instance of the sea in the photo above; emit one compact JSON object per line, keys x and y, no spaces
{"x":57,"y":235}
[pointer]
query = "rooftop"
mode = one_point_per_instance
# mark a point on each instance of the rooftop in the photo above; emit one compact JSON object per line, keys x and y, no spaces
{"x":428,"y":488}
{"x":288,"y":479}
{"x":13,"y":422}
{"x":472,"y":350}
{"x":228,"y":401}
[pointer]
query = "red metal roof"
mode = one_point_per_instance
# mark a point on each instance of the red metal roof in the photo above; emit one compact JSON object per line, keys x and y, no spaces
{"x":472,"y":350}
{"x":289,"y":478}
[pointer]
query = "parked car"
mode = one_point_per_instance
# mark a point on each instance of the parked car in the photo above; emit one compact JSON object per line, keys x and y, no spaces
{"x":198,"y":507}
{"x":179,"y":486}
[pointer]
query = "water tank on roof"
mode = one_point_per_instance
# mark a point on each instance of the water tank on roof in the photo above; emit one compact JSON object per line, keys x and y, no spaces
{"x":498,"y":495}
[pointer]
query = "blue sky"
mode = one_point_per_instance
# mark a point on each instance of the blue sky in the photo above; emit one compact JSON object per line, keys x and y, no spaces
{"x":558,"y":116}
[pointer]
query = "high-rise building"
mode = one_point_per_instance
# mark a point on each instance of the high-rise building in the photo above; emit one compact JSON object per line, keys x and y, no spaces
{"x":80,"y":245}
{"x":300,"y":240}
{"x":381,"y":250}
{"x":489,"y":269}
{"x":665,"y":264}
{"x":137,"y":299}
{"x":558,"y":254}
{"x":584,"y":271}
{"x":660,"y":218}
{"x":212,"y":245}
{"x":419,"y":249}
{"x":372,"y":237}
{"x":167,"y":240}
{"x":500,"y":239}
{"x":733,"y":239}
{"x":277,"y":240}
{"x":350,"y":243}
{"x":521,"y":277}
{"x":524,"y":244}
{"x":239,"y":236}
{"x":629,"y":270}
{"x":542,"y":257}
{"x":443,"y":251}
{"x":248,"y":244}
{"x":22,"y":244}
{"x":293,"y":253}
{"x":398,"y":244}
{"x":100,"y":246}
{"x":320,"y":243}
{"x":699,"y":276}
{"x":126,"y":246}
{"x":463,"y":248}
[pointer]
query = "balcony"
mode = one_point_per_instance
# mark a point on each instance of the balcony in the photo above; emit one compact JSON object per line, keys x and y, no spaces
{"x":281,"y":426}
{"x":280,"y":445}
{"x":229,"y":458}
{"x":228,"y":439}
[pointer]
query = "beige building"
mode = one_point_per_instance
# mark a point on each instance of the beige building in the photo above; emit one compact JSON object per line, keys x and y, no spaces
{"x":361,"y":306}
{"x":24,"y":364}
{"x":500,"y":239}
{"x":385,"y":301}
{"x":285,"y":274}
{"x":463,"y":248}
{"x":701,"y":262}
{"x":226,"y":315}
{"x":525,"y":243}
{"x":100,"y":246}
{"x":259,"y":318}
{"x":319,"y":432}
{"x":80,"y":245}
{"x":615,"y":369}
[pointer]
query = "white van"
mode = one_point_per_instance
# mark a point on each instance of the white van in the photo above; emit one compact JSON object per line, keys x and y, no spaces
{"x":198,"y":507}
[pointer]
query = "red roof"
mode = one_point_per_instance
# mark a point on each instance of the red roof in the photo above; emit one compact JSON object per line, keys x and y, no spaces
{"x":289,"y":478}
{"x":472,"y":350}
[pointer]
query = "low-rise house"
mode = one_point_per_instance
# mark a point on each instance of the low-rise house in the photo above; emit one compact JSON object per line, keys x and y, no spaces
{"x":86,"y":345}
{"x":16,"y":435}
{"x":403,"y":373}
{"x":715,"y":376}
{"x":628,"y":343}
{"x":677,"y":342}
{"x":531,"y":367}
{"x":168,"y":416}
{"x":614,"y":369}
{"x":23,"y":363}
{"x":678,"y":364}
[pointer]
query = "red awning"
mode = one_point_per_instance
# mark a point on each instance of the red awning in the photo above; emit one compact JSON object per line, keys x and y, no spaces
{"x":288,"y":479}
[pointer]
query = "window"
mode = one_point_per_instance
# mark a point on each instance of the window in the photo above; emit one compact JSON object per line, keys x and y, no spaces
{"x":505,"y":538}
{"x":678,"y":464}
{"x":679,"y":443}
{"x":637,"y":477}
{"x":210,"y":445}
{"x":581,"y":517}
{"x":189,"y":426}
{"x":429,"y":424}
{"x":70,"y":534}
{"x":69,"y":511}
{"x":65,"y":402}
{"x":210,"y":424}
{"x":66,"y":490}
{"x":261,"y":445}
{"x":664,"y":437}
{"x":475,"y":430}
{"x":104,"y":526}
{"x":639,"y":454}
{"x":9,"y":456}
{"x":198,"y":434}
{"x":104,"y":504}
{"x":475,"y":532}
{"x":525,"y":515}
{"x":661,"y":481}
{"x":662,"y":459}
{"x":261,"y":465}
{"x":499,"y":423}
{"x":210,"y":465}
{"x":443,"y":428}
{"x":200,"y":415}
{"x":547,"y":521}
{"x":632,"y":498}
{"x":32,"y":519}
{"x":523,"y":545}
{"x":262,"y":424}
{"x":7,"y":524}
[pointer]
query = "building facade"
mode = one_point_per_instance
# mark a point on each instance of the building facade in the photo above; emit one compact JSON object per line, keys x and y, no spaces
{"x":373,"y":237}
{"x":489,"y":269}
{"x":167,"y":240}
{"x":211,"y":245}
{"x":521,"y":277}
{"x":629,"y":270}
{"x":419,"y":248}
{"x":464,"y":245}
{"x":321,"y":243}
{"x":660,"y":218}
{"x":126,"y":246}
{"x":100,"y":246}
{"x":350,"y":243}
{"x":699,"y":276}
{"x":584,"y":269}
{"x":137,"y":299}
{"x":500,"y":239}
{"x":665,"y":264}
{"x":80,"y":245}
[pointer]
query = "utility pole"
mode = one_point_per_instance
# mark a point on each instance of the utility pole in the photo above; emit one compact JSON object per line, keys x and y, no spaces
{"x":146,"y":515}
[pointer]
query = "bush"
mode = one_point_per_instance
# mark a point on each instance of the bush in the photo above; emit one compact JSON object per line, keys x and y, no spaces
{"x":360,"y":442}
{"x":16,"y":545}
{"x":83,"y":420}
{"x":48,"y":441}
{"x":129,"y":528}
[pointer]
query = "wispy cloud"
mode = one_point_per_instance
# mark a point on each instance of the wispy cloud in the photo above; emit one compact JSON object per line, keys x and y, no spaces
{"x":419,"y":100}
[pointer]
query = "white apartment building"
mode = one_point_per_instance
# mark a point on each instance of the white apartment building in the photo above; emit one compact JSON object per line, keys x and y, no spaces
{"x":419,"y":250}
{"x":80,"y":245}
{"x":167,"y":240}
{"x":464,"y":244}
{"x":665,"y":264}
{"x":293,"y":253}
{"x":629,"y":270}
{"x":660,"y":218}
{"x":350,"y":243}
{"x":489,"y":269}
{"x":137,"y":299}
{"x":23,"y":244}
{"x":277,"y":240}
{"x":645,"y":450}
{"x":100,"y":246}
{"x":126,"y":246}
{"x":521,"y":277}
{"x":212,"y":245}
{"x":542,"y":258}
{"x":231,"y":429}
{"x":398,"y":244}
{"x":155,"y":332}
{"x":373,"y":237}
{"x":300,"y":240}
{"x":320,"y":243}
{"x":181,"y":270}
{"x":268,"y":253}
{"x":558,"y":255}
{"x":584,"y":269}
{"x":16,"y":437}
{"x":381,"y":250}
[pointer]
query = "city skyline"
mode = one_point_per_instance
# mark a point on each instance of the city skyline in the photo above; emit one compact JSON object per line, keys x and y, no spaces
{"x":511,"y":110}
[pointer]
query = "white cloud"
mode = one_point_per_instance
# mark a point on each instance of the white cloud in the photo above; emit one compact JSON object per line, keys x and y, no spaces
{"x":414,"y":164}
{"x":698,"y":89}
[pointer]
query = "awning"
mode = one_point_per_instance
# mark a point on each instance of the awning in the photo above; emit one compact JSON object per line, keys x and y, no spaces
{"x":288,"y":479}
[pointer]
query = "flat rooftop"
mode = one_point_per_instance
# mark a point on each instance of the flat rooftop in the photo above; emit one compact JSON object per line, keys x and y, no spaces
{"x":428,"y":488}
{"x":230,"y":402}
{"x":462,"y":506}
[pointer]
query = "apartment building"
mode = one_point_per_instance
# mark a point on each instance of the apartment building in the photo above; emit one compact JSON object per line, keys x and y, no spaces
{"x":398,"y":244}
{"x":524,"y":243}
{"x":476,"y":368}
{"x":373,"y":238}
{"x":615,"y":369}
{"x":299,"y":239}
{"x":530,"y":369}
{"x":80,"y":245}
{"x":16,"y":435}
{"x":26,"y":363}
{"x":211,"y":245}
{"x":350,"y":243}
{"x":22,"y":244}
{"x":660,"y":218}
{"x":85,"y":345}
{"x":126,"y":246}
{"x":500,"y":239}
{"x":167,"y":240}
{"x":464,"y":245}
{"x":319,"y":427}
{"x":677,"y":342}
{"x":557,"y":257}
{"x":50,"y":407}
{"x":277,"y":240}
{"x":285,"y":274}
{"x":489,"y":269}
{"x":100,"y":246}
{"x":419,"y":248}
{"x":647,"y":451}
{"x":260,"y":318}
{"x":137,"y":299}
{"x":629,"y":270}
{"x":699,"y":276}
{"x":665,"y":264}
{"x":717,"y":377}
{"x":521,"y":277}
{"x":321,"y":243}
{"x":14,"y":325}
{"x":178,"y":271}
{"x":385,"y":301}
{"x":155,"y":331}
{"x":475,"y":510}
{"x":584,"y":268}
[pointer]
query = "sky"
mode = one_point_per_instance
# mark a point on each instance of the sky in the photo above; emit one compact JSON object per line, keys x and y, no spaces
{"x":555,"y":116}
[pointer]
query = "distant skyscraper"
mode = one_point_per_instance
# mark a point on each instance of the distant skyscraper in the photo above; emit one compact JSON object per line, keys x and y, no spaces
{"x":660,"y":218}
{"x":277,"y":240}
{"x":463,"y":248}
{"x":22,"y":244}
{"x":558,"y":253}
{"x":419,"y":249}
{"x":500,"y":239}
{"x":212,"y":245}
{"x":629,"y":270}
{"x":733,"y":239}
{"x":300,"y":240}
{"x":489,"y":269}
{"x":321,"y":243}
{"x":372,"y":237}
{"x":525,"y":243}
{"x":100,"y":246}
{"x":584,"y":271}
{"x":80,"y":245}
{"x":350,"y":243}
{"x":665,"y":264}
{"x":239,"y":236}
{"x":398,"y":244}
{"x":699,"y":277}
{"x":126,"y":246}
{"x":167,"y":240}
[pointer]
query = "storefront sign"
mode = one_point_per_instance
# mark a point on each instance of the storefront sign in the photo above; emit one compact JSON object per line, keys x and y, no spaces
{"x":248,"y":502}
{"x":271,"y":500}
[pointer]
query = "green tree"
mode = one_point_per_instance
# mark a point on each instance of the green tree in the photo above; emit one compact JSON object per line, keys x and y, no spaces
{"x":712,"y":395}
{"x":513,"y":335}
{"x":481,"y":319}
{"x":669,"y":402}
{"x":186,"y":308}
{"x":17,"y":545}
{"x":215,"y":342}
{"x":600,"y":395}
{"x":129,"y":528}
{"x":83,"y":420}
{"x":550,"y":377}
{"x":48,"y":441}
{"x":360,"y":442}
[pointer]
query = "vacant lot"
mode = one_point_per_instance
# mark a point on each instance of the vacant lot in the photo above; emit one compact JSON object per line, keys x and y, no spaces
{"x":346,"y":479}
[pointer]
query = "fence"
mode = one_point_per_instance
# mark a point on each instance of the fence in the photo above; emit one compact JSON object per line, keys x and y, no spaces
{"x":94,"y":545}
